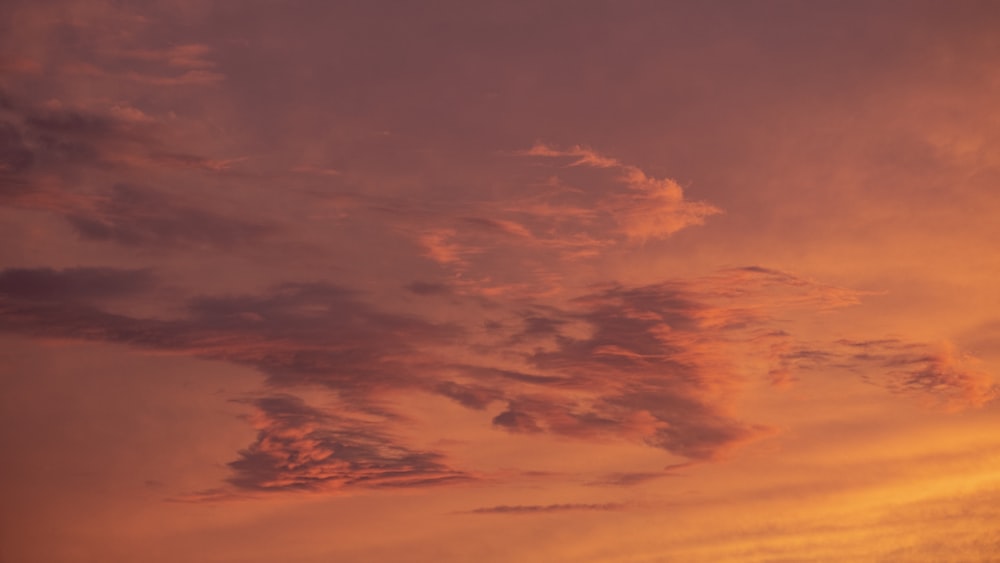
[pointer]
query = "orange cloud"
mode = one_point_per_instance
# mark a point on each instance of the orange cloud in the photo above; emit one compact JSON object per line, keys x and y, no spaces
{"x":649,"y":208}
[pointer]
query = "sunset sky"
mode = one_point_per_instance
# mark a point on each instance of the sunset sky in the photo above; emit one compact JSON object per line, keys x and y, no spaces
{"x":450,"y":281}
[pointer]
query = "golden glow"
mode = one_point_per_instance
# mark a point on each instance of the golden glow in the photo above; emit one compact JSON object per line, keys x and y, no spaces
{"x":495,"y":281}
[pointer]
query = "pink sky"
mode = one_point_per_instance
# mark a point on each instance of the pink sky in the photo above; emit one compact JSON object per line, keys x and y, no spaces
{"x":499,"y":281}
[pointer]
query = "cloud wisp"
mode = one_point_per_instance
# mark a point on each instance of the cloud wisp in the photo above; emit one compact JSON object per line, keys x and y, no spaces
{"x":647,"y":209}
{"x":546,"y":508}
{"x":299,"y":447}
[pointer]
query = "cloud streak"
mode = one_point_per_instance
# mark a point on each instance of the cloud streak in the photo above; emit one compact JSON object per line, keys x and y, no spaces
{"x":546,"y":508}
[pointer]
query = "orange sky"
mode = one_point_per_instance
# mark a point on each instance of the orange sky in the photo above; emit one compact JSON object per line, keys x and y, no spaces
{"x":499,"y":281}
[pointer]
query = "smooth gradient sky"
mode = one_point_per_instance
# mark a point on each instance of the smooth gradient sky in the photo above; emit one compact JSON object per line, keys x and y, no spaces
{"x":454,"y":281}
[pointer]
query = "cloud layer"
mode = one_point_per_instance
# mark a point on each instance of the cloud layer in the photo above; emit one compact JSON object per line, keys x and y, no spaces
{"x":657,"y":365}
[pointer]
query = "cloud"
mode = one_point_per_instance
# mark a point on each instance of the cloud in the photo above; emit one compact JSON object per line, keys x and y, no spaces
{"x":74,"y":284}
{"x":182,"y":160}
{"x":189,"y":56}
{"x":580,"y":156}
{"x":648,"y":208}
{"x":936,"y":373}
{"x":295,"y":333}
{"x":84,"y":49}
{"x":40,"y":146}
{"x":428,"y":288}
{"x":298,"y":335}
{"x":547,"y":508}
{"x":302,"y":447}
{"x":190,"y":77}
{"x":57,"y":159}
{"x":655,"y":369}
{"x":518,"y":238}
{"x":656,"y":388}
{"x":440,"y":247}
{"x":49,"y":151}
{"x":470,"y":396}
{"x":15,"y":155}
{"x":136,"y":216}
{"x":54,"y":158}
{"x":656,"y":364}
{"x":629,"y":479}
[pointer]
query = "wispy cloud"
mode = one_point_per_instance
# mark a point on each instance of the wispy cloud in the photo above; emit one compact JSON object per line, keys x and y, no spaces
{"x":302,"y":447}
{"x":188,"y":56}
{"x":646,"y":208}
{"x":936,"y":373}
{"x":547,"y":508}
{"x":55,"y":158}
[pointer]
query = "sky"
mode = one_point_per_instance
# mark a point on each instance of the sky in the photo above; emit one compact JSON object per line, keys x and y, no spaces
{"x":450,"y":281}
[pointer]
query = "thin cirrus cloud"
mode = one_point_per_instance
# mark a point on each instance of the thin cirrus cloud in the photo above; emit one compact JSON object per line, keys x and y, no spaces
{"x":546,"y":508}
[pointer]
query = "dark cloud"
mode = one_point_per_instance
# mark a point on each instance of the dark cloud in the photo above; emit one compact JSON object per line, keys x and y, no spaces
{"x":74,"y":284}
{"x":628,"y":479}
{"x":934,"y":373}
{"x":638,"y":376}
{"x":516,"y":419}
{"x":651,"y":364}
{"x":295,"y":333}
{"x":544,"y":508}
{"x":538,"y":326}
{"x":471,"y":396}
{"x":61,"y":142}
{"x":47,"y":155}
{"x":55,"y":140}
{"x":136,"y":216}
{"x":428,"y":288}
{"x":301,"y":447}
{"x":495,"y":374}
{"x":73,"y":124}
